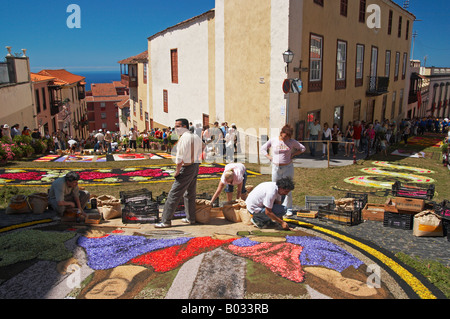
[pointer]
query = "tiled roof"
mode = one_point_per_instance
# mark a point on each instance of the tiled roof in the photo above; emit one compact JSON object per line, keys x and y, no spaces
{"x":119,"y":84}
{"x":140,"y":58}
{"x":103,"y":89}
{"x":125,"y":102}
{"x":62,"y":76}
{"x":40,"y":78}
{"x":116,"y":98}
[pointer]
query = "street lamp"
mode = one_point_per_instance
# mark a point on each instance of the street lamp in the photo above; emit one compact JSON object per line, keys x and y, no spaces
{"x":288,"y":57}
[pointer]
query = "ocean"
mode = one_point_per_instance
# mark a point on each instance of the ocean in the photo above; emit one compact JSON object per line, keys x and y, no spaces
{"x":99,"y":77}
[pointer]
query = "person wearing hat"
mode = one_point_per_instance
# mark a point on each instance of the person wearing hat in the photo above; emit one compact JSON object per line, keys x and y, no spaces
{"x":64,"y":195}
{"x":6,"y":131}
{"x":108,"y":141}
{"x":132,"y":136}
{"x":100,"y":141}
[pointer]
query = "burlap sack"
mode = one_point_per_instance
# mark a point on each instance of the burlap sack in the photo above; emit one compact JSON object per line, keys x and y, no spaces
{"x":231,"y":212}
{"x":109,"y":207}
{"x":110,"y":211}
{"x":38,"y":202}
{"x":244,"y":214}
{"x":427,"y":223}
{"x":18,"y":205}
{"x":202,"y":211}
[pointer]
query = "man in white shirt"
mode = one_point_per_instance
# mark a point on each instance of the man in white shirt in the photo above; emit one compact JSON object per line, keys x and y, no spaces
{"x":100,"y":141}
{"x":264,"y":202}
{"x":313,"y":135}
{"x":188,"y":153}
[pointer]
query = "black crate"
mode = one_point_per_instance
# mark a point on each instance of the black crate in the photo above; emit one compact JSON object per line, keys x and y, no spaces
{"x":409,"y":191}
{"x":140,"y":212}
{"x":400,"y":221}
{"x":126,"y":196}
{"x":442,"y":209}
{"x":361,"y":200}
{"x":331,"y":213}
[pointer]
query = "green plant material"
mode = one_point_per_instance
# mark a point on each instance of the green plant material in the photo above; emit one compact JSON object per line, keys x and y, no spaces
{"x":437,"y":273}
{"x":31,"y":244}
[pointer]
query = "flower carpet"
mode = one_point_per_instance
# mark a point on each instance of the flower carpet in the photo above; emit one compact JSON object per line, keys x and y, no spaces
{"x":103,"y":176}
{"x":78,"y":158}
{"x":311,"y":262}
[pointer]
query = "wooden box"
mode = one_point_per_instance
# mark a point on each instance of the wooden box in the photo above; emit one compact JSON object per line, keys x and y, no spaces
{"x":373,"y":212}
{"x":409,"y":204}
{"x":93,"y":219}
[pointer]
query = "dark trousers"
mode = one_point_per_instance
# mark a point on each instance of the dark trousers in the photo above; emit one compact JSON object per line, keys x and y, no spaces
{"x":185,"y":186}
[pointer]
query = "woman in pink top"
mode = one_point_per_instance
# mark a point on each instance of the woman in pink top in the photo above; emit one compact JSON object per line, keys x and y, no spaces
{"x":284,"y":148}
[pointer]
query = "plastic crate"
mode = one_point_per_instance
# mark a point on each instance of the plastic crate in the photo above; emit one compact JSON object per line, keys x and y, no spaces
{"x":126,"y":196}
{"x":410,"y":191}
{"x":331,"y":213}
{"x":400,"y":221}
{"x":315,"y":202}
{"x":361,"y":200}
{"x":442,"y":209}
{"x":140,"y":212}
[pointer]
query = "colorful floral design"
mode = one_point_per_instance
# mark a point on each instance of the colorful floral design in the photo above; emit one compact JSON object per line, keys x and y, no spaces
{"x":171,"y":258}
{"x":115,"y":250}
{"x":281,"y":258}
{"x":27,"y":176}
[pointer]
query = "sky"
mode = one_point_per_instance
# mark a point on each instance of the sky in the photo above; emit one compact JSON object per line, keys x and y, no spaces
{"x":112,"y":30}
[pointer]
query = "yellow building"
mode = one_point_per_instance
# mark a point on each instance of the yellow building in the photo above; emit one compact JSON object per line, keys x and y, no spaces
{"x":134,"y":75}
{"x":351,"y":57}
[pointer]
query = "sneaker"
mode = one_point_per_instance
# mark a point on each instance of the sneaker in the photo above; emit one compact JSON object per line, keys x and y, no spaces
{"x":289,"y":212}
{"x":187,"y":221}
{"x":163,"y":225}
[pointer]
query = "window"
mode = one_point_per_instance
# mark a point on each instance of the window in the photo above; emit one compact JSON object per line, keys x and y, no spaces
{"x":391,"y":13}
{"x":145,"y":72}
{"x":400,"y":27}
{"x":373,"y":69}
{"x":397,"y":63}
{"x":166,"y":101}
{"x":319,"y":2}
{"x":341,"y":64}
{"x":405,"y":57}
{"x":394,"y":97}
{"x":344,"y":7}
{"x":315,"y":63}
{"x":103,"y":115}
{"x":387,"y":68}
{"x":174,"y":65}
{"x":400,"y":103}
{"x":38,"y":102}
{"x":362,"y":11}
{"x":383,"y":108}
{"x":104,"y":125}
{"x":134,"y":107}
{"x":338,"y":115}
{"x":44,"y":100}
{"x":102,"y":105}
{"x":141,"y":111}
{"x":407,"y":29}
{"x":359,"y":65}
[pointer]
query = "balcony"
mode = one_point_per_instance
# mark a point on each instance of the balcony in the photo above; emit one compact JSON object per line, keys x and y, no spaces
{"x":378,"y":85}
{"x":55,"y":107}
{"x":129,"y":81}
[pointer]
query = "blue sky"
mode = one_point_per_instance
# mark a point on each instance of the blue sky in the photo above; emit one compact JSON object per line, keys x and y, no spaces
{"x":112,"y":30}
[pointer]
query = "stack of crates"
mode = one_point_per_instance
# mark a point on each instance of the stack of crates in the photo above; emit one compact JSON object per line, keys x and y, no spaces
{"x":139,"y":207}
{"x":348,"y":217}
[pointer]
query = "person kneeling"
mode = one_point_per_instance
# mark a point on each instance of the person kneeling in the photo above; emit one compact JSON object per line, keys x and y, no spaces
{"x":264,"y":203}
{"x":65,"y":195}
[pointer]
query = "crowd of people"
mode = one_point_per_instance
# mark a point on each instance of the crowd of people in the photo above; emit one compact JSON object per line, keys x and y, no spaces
{"x":368,"y":138}
{"x":269,"y":201}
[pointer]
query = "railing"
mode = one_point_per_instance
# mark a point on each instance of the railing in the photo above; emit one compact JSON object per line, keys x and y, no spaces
{"x":129,"y":81}
{"x":377,"y":85}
